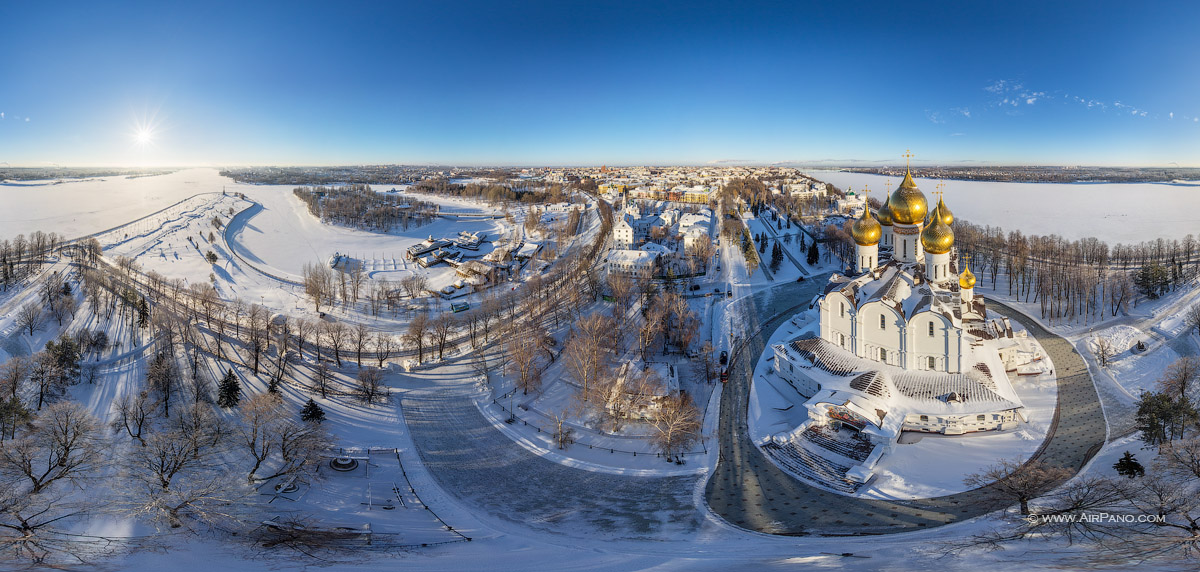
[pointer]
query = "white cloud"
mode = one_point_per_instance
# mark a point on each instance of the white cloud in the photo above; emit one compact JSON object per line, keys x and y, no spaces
{"x":1,"y":116}
{"x":957,"y":134}
{"x":1171,"y":115}
{"x":1195,"y":119}
{"x":26,"y":120}
{"x":934,"y":116}
{"x":965,"y":112}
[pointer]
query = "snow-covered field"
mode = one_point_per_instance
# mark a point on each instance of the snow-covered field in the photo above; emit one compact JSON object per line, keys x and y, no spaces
{"x":78,"y":207}
{"x":1146,"y":210}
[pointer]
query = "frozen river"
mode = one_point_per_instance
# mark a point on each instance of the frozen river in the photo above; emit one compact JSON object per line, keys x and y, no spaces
{"x":1113,"y":212}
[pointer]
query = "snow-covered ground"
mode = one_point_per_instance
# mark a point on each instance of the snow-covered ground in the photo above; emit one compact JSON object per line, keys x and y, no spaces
{"x":1160,"y":211}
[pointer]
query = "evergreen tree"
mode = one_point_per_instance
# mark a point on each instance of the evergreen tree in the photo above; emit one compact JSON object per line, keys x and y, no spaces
{"x":273,"y":385}
{"x":143,"y":313}
{"x":66,"y":288}
{"x":762,"y":244}
{"x":812,"y":253}
{"x":778,"y":224}
{"x":1129,"y":467}
{"x":230,"y":390}
{"x":312,"y":412}
{"x":776,"y":257}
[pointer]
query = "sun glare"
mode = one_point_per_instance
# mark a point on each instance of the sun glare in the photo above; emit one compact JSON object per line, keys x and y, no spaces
{"x":143,"y":136}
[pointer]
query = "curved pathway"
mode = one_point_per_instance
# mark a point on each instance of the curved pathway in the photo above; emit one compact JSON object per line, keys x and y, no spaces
{"x":749,"y":491}
{"x":474,"y":461}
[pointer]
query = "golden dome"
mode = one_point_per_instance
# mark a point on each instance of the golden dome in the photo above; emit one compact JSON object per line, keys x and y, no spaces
{"x":937,"y":238}
{"x":884,"y":214}
{"x":947,"y":216}
{"x":966,"y":280}
{"x":907,"y":203}
{"x":866,"y":230}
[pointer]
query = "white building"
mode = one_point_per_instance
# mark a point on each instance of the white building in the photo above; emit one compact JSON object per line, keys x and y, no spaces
{"x":623,"y":234}
{"x":631,"y":262}
{"x":903,"y":344}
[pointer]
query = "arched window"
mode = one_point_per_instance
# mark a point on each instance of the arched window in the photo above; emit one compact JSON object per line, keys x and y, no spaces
{"x":882,"y":322}
{"x":882,"y":355}
{"x":843,"y":314}
{"x":842,"y":340}
{"x":931,"y":328}
{"x":932,"y":363}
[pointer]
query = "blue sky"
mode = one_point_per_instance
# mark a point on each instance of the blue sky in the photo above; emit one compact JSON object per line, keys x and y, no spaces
{"x":563,"y":82}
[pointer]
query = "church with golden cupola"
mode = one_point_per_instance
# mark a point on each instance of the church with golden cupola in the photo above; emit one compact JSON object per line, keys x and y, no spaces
{"x":900,"y":341}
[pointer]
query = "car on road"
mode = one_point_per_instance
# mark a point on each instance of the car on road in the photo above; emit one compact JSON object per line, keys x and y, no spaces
{"x":724,"y":376}
{"x":718,"y":268}
{"x":729,"y":294}
{"x":800,"y":279}
{"x":695,"y":287}
{"x":724,"y":358}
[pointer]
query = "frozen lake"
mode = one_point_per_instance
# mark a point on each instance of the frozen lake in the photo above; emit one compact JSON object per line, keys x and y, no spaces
{"x":1113,"y":212}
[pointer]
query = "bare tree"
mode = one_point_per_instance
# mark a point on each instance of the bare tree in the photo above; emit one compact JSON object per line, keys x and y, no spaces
{"x":336,"y":334}
{"x":360,"y":336}
{"x":1192,"y":318}
{"x":133,"y":414}
{"x":1103,"y":349}
{"x":1179,"y":376}
{"x":258,"y":330}
{"x":64,"y":442}
{"x":178,"y":474}
{"x":13,"y":373}
{"x":29,"y":317}
{"x":440,"y":332}
{"x":587,"y":353}
{"x":384,"y":346}
{"x":318,"y":284}
{"x":275,"y":439}
{"x":523,"y":349}
{"x":370,"y":385}
{"x":677,"y":426}
{"x":1017,"y":482}
{"x":321,"y":376}
{"x":416,"y":333}
{"x":564,"y":434}
{"x":303,"y":329}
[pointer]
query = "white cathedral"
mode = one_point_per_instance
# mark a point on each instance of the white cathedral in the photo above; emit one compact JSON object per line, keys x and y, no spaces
{"x":903,"y":344}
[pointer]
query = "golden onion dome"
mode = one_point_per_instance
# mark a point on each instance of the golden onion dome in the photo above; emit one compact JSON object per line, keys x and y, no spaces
{"x":947,"y":216}
{"x":907,"y":203}
{"x":884,"y":214}
{"x":866,"y":230}
{"x":937,"y":238}
{"x":966,"y":280}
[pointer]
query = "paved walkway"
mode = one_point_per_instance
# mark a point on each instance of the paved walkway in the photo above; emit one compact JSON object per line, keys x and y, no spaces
{"x":475,"y":462}
{"x":749,"y":491}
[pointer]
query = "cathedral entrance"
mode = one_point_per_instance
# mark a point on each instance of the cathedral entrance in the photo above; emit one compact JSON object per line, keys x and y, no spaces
{"x":840,"y":417}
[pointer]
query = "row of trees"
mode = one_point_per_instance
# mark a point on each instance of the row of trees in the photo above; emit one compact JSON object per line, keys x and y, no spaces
{"x":22,"y":256}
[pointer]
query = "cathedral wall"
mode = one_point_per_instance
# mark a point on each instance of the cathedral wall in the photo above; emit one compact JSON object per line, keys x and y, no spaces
{"x":872,"y":337}
{"x":837,"y":320}
{"x":942,"y":345}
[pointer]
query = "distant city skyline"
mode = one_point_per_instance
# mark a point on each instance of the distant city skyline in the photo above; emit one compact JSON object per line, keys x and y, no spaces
{"x":555,"y":83}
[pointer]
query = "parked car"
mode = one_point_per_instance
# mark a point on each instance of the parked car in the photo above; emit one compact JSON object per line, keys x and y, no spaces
{"x":724,"y":376}
{"x":695,"y":287}
{"x":800,"y":279}
{"x":724,"y":358}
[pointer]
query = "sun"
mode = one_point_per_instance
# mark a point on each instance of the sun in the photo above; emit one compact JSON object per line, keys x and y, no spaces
{"x":143,"y":136}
